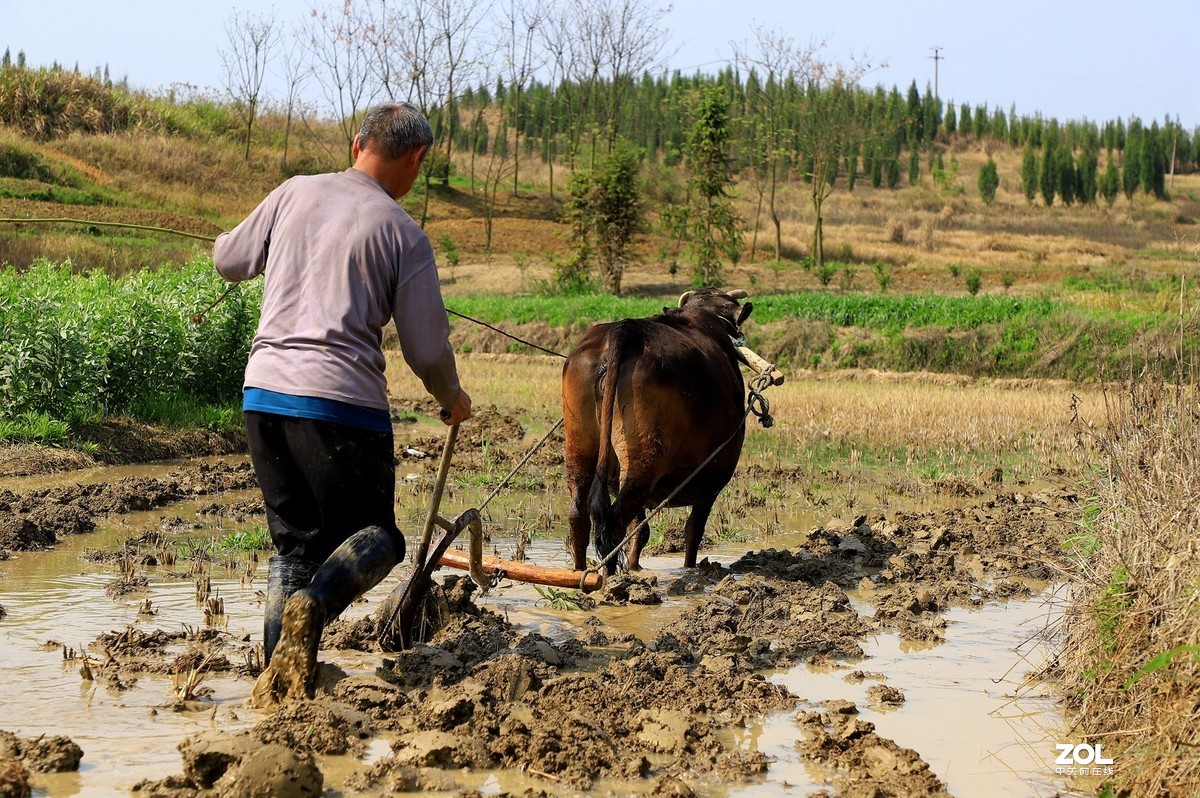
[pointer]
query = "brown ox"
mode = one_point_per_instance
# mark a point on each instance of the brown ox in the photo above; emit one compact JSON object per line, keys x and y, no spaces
{"x":645,"y":402}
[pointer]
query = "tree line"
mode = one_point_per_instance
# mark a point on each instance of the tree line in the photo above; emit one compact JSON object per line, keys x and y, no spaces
{"x":582,"y":84}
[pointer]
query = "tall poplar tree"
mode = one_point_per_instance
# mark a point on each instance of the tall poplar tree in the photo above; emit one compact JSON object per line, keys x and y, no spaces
{"x":1048,"y":179}
{"x":708,"y":226}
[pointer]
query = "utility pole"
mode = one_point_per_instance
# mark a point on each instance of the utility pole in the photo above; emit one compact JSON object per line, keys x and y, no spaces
{"x":937,"y":56}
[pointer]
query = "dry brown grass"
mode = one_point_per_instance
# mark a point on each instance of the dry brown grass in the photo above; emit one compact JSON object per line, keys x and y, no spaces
{"x":203,"y":178}
{"x":929,"y":424}
{"x":924,"y":423}
{"x":1038,"y":246}
{"x":1131,"y":661}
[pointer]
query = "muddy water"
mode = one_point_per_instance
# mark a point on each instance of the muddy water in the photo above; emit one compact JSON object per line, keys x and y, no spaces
{"x":968,"y":708}
{"x":981,"y":737}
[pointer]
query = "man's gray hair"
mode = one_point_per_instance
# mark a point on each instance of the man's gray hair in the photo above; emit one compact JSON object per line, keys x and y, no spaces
{"x":392,"y":129}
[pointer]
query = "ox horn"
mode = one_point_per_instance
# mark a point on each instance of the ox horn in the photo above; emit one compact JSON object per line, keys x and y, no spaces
{"x":738,"y":293}
{"x":684,"y":297}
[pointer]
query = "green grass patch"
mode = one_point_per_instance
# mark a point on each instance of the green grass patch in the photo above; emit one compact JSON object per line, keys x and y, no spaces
{"x":1111,"y":605}
{"x":30,"y":427}
{"x":254,"y":539}
{"x":886,"y":313}
{"x":16,"y":188}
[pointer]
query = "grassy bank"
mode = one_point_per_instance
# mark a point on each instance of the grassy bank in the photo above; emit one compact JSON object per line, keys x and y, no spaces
{"x":83,"y":346}
{"x":987,"y":335}
{"x":1131,"y":659}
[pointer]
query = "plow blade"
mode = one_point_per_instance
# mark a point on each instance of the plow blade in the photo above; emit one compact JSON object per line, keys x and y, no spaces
{"x":412,"y":613}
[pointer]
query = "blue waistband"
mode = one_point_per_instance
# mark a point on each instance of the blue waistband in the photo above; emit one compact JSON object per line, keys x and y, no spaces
{"x":285,"y":404}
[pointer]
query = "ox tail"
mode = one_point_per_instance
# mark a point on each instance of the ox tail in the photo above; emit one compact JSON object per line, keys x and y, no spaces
{"x":605,"y":524}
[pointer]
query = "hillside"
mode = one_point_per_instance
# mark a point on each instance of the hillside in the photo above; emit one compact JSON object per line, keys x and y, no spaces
{"x":71,"y":146}
{"x":920,"y":234}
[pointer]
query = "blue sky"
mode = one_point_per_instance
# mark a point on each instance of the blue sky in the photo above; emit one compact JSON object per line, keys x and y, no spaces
{"x":1097,"y":60}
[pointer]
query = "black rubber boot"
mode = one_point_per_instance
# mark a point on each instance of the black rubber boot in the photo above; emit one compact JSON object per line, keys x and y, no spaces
{"x":285,"y":575}
{"x":355,"y":567}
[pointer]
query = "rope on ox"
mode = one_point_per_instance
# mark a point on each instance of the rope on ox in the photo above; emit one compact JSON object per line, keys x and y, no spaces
{"x":757,"y":404}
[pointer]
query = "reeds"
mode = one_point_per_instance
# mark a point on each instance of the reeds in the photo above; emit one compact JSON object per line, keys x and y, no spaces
{"x":1130,"y":661}
{"x":47,"y":102}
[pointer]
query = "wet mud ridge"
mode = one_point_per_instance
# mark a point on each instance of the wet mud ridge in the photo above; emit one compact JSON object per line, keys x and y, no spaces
{"x":596,"y":707}
{"x":35,"y":520}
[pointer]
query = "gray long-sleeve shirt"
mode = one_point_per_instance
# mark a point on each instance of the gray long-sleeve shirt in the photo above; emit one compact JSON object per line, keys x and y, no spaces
{"x":341,"y":257}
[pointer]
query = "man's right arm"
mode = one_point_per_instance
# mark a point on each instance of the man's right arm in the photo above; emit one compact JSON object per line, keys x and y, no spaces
{"x":424,"y":333}
{"x":241,"y":254}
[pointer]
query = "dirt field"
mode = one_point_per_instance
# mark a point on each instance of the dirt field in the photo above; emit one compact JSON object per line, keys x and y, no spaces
{"x":649,"y":687}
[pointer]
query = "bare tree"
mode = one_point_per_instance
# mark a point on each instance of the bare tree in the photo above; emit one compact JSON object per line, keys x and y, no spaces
{"x":820,"y":123}
{"x":340,"y":46}
{"x":778,"y":58}
{"x":559,"y":42}
{"x":621,"y":40}
{"x":520,"y":26}
{"x":249,"y":46}
{"x":603,"y":46}
{"x":456,"y":23}
{"x":826,"y":127}
{"x":435,"y":41}
{"x":295,"y":72}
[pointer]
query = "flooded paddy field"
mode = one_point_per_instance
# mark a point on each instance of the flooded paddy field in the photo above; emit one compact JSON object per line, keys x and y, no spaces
{"x":865,"y":623}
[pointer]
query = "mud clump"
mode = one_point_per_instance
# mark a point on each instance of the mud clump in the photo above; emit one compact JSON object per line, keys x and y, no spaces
{"x":39,"y":526}
{"x":14,"y":780}
{"x":319,"y":727}
{"x":44,"y":754}
{"x":220,"y":764}
{"x":394,"y":777}
{"x":374,"y":698}
{"x":476,"y":698}
{"x":776,"y":623}
{"x":861,"y":763}
{"x":631,"y":588}
{"x":581,"y":727}
{"x":488,"y":429}
{"x":884,"y":696}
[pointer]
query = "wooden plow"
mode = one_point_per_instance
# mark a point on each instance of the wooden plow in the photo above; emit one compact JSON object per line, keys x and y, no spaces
{"x":412,"y":613}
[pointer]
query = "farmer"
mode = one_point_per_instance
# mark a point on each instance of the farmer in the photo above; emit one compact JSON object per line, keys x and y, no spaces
{"x":341,"y":259}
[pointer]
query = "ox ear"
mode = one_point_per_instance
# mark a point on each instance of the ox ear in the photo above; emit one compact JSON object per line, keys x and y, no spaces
{"x":744,"y":312}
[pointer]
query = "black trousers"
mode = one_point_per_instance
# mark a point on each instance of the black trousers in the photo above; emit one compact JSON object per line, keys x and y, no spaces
{"x":321,"y":481}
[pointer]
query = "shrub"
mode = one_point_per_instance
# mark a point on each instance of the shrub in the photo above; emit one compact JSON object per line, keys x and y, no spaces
{"x":989,"y":181}
{"x":80,"y":346}
{"x":883,"y":274}
{"x":974,"y":281}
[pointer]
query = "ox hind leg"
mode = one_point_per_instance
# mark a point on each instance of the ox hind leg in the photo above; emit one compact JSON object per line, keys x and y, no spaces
{"x":581,"y":472}
{"x":629,"y":511}
{"x":693,"y":530}
{"x":580,"y":520}
{"x":638,"y":541}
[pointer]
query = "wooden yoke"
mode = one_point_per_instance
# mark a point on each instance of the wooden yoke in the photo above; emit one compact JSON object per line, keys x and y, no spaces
{"x":758,"y":365}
